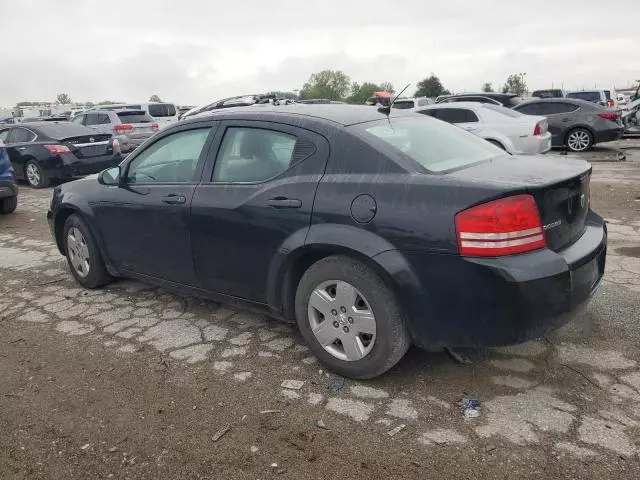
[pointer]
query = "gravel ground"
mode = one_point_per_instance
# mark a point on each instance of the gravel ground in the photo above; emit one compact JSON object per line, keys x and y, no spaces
{"x":133,"y":382}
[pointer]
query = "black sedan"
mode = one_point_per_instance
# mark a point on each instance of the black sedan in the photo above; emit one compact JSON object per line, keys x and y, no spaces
{"x":372,"y":232}
{"x":43,"y":151}
{"x":575,"y":124}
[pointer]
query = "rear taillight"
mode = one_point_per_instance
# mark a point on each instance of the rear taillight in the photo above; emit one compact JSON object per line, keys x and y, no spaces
{"x":613,"y":116}
{"x":501,"y":227}
{"x":57,"y":149}
{"x":540,"y":128}
{"x":123,"y":127}
{"x":154,"y":126}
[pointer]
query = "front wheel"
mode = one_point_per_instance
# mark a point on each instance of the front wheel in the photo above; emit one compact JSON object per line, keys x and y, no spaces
{"x":579,"y":140}
{"x":83,"y":255}
{"x":351,"y":320}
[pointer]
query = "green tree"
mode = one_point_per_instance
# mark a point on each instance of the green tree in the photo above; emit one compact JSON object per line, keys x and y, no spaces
{"x":331,"y":84}
{"x":89,"y":104}
{"x":430,"y":87}
{"x":487,"y":87}
{"x":154,"y":98}
{"x":387,"y":87}
{"x":515,"y":84}
{"x":360,"y":93}
{"x":63,"y":99}
{"x":107,"y":102}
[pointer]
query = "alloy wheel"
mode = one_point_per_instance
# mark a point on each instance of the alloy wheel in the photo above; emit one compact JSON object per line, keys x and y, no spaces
{"x":342,"y":320}
{"x":78,"y":251}
{"x":579,"y":140}
{"x":34,"y":176}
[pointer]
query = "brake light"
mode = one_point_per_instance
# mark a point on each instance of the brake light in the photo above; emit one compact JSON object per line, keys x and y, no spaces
{"x":613,"y":116}
{"x":123,"y":127}
{"x":540,"y":128}
{"x":501,"y":227}
{"x":154,"y":126}
{"x":57,"y":149}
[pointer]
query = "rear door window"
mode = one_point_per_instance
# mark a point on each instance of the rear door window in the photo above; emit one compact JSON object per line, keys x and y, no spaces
{"x":457,"y":115}
{"x":162,"y":109}
{"x":103,"y":119}
{"x":21,"y":135}
{"x":529,"y":109}
{"x":134,"y":117}
{"x":92,"y":119}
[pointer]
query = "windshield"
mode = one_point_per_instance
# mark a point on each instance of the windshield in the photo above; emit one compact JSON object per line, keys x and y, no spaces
{"x":437,"y":146}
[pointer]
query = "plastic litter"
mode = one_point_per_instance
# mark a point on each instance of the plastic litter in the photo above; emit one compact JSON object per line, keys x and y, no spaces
{"x":469,"y":407}
{"x":335,"y":383}
{"x":396,"y":430}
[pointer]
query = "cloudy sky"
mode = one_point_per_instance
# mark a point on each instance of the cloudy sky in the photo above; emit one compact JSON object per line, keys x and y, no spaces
{"x":195,"y":51}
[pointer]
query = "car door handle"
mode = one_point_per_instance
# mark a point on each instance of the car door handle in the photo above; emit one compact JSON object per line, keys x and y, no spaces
{"x":21,"y":148}
{"x":173,"y":199}
{"x":284,"y":202}
{"x":565,"y":120}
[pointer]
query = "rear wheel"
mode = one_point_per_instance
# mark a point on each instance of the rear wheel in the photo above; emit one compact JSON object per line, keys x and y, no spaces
{"x":8,"y":205}
{"x":83,"y":255}
{"x":351,"y":320}
{"x":35,"y":176}
{"x":579,"y":140}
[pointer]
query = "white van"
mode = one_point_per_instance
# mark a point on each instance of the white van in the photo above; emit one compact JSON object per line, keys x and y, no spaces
{"x":162,"y":112}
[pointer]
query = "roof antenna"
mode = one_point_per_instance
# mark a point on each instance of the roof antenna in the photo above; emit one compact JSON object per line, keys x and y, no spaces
{"x":387,"y":110}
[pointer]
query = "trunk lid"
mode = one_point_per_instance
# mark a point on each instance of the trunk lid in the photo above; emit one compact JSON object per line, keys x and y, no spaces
{"x":559,"y":186}
{"x":87,"y":146}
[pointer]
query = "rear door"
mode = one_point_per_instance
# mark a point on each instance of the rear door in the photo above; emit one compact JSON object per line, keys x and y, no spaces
{"x":145,"y":221}
{"x":562,"y":117}
{"x":258,"y":194}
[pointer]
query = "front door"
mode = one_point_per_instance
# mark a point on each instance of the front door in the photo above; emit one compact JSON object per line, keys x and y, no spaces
{"x":259,"y":194}
{"x":144,"y":222}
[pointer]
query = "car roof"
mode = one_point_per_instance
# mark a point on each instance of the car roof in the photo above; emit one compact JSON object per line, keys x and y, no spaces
{"x":341,"y":114}
{"x":572,"y":101}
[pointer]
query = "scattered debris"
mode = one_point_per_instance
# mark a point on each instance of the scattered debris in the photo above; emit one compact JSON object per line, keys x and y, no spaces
{"x":335,"y":383}
{"x":459,"y":357}
{"x":84,"y":447}
{"x":254,"y":449}
{"x":469,"y":407}
{"x":490,"y":448}
{"x":263,"y":412}
{"x":113,"y":449}
{"x":320,"y":424}
{"x":292,"y":384}
{"x":396,"y":430}
{"x":221,"y":433}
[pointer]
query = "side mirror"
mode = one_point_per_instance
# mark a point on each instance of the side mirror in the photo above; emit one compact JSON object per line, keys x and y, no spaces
{"x":110,"y":176}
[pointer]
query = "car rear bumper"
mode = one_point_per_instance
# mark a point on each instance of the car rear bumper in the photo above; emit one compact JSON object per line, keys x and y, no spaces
{"x":534,"y":144}
{"x":8,"y":189}
{"x":451,"y":300}
{"x":609,"y":135}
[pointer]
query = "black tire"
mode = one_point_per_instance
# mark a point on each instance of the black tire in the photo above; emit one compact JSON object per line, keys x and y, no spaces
{"x":97,"y":275}
{"x":8,"y":205}
{"x":392,"y":339}
{"x":575,"y":146}
{"x":42,"y":181}
{"x":497,"y":144}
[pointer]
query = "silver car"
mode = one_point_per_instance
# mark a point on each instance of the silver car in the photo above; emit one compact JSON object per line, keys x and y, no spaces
{"x":130,"y":127}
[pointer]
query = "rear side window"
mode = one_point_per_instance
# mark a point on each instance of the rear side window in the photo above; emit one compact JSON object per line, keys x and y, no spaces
{"x":556,"y":108}
{"x":529,"y":109}
{"x":103,"y":119}
{"x":134,"y":117}
{"x":162,"y":109}
{"x":456,"y":115}
{"x":253,"y":155}
{"x":21,"y":135}
{"x":435,"y":146}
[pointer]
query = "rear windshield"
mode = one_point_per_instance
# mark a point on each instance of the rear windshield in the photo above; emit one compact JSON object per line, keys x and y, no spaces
{"x":404,"y":104}
{"x":162,"y":109}
{"x":555,"y":93}
{"x":588,"y":96}
{"x":502,"y":110}
{"x":134,"y":117}
{"x":62,"y":130}
{"x":437,"y":146}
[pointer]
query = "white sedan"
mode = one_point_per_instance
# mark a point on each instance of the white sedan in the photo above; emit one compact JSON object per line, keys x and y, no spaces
{"x":512,"y":131}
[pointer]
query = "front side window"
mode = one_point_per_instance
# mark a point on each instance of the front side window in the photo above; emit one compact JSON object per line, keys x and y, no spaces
{"x":250,"y":155}
{"x":169,"y":160}
{"x":435,"y":146}
{"x":4,"y":134}
{"x":21,"y":135}
{"x":78,"y":119}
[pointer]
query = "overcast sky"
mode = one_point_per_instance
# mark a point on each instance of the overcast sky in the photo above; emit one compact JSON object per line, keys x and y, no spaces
{"x":195,"y":51}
